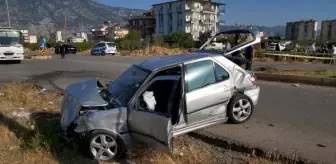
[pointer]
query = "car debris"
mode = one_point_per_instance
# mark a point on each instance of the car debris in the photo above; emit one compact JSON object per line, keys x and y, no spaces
{"x":155,"y":100}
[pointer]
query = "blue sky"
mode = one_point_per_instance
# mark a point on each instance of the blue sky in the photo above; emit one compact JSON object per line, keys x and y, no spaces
{"x":259,"y":12}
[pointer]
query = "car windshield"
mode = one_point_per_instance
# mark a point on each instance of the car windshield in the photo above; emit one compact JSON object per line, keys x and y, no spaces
{"x":111,"y":44}
{"x":10,"y":38}
{"x":125,"y":86}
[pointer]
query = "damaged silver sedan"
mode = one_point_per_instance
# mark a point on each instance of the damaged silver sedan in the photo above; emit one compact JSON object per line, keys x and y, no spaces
{"x":158,"y":99}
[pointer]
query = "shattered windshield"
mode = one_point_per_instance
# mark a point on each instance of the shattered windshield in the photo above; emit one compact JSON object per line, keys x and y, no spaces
{"x":10,"y":38}
{"x":125,"y":86}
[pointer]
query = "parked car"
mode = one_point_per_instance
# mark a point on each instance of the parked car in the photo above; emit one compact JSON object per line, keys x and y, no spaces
{"x":156,"y":100}
{"x":104,"y":48}
{"x":69,"y":49}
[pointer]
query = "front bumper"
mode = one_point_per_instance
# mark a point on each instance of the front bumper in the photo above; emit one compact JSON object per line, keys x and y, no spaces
{"x":12,"y":57}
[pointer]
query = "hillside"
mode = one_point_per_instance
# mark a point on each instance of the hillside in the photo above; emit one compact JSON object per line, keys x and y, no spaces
{"x":44,"y":16}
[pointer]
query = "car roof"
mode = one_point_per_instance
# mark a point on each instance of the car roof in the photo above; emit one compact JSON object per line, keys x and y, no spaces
{"x":165,"y":61}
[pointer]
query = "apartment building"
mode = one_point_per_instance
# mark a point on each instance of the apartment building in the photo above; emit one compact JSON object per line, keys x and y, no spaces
{"x":301,"y":30}
{"x":190,"y":16}
{"x":328,"y":30}
{"x":145,"y":24}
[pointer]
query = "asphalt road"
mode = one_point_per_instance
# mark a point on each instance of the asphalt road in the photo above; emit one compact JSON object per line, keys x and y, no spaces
{"x":294,"y":120}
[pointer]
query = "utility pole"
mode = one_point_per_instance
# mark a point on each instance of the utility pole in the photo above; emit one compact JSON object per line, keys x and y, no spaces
{"x":9,"y":23}
{"x":65,"y":28}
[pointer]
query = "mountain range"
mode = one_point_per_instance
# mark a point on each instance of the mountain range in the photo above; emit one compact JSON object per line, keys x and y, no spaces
{"x":43,"y":17}
{"x":46,"y":16}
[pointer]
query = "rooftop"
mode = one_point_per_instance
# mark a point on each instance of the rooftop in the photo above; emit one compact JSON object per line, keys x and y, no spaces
{"x":218,"y":3}
{"x":160,"y":62}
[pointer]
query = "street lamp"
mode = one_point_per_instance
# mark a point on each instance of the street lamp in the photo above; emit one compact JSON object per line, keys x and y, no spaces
{"x":9,"y":24}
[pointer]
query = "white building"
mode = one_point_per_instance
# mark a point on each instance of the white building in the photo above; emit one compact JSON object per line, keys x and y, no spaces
{"x":32,"y":39}
{"x":59,"y":36}
{"x":301,"y":30}
{"x":190,"y":16}
{"x":77,"y":39}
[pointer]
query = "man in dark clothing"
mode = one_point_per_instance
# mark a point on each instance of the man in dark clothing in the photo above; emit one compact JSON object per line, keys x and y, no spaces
{"x":62,"y":50}
{"x":249,"y":56}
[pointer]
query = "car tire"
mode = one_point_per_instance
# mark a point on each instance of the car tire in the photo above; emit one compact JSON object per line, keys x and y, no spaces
{"x":240,"y":109}
{"x":119,"y":150}
{"x":103,"y":53}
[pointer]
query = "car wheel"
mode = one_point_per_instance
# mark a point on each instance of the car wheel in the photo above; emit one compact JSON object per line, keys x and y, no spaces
{"x":106,"y":146}
{"x":103,"y":53}
{"x":240,"y":109}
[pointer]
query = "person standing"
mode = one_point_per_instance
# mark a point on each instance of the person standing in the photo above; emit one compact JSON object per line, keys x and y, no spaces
{"x":62,"y":50}
{"x":249,"y":52}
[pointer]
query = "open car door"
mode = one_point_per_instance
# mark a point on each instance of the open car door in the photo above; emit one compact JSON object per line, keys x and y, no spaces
{"x":150,"y":126}
{"x":254,"y":39}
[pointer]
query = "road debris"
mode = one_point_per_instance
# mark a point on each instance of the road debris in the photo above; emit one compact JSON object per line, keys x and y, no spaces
{"x":43,"y":91}
{"x":320,"y":145}
{"x":296,"y":85}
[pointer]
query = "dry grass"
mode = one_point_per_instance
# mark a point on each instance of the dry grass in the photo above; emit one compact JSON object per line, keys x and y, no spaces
{"x":21,"y":144}
{"x":315,"y":73}
{"x":155,"y":51}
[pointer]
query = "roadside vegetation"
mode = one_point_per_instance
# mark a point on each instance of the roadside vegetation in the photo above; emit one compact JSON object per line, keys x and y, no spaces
{"x":29,"y":118}
{"x":315,"y":73}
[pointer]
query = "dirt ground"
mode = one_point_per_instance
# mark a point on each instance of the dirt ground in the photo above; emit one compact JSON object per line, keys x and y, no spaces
{"x":29,"y":118}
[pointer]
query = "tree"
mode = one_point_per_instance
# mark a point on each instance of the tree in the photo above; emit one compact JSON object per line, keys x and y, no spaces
{"x":132,"y":41}
{"x":183,"y":40}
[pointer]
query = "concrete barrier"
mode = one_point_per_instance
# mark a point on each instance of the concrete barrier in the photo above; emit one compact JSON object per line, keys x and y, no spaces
{"x":321,"y":81}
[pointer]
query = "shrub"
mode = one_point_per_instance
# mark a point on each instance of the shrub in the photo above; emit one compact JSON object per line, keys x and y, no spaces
{"x":184,"y":40}
{"x":31,"y":46}
{"x":84,"y":46}
{"x":132,"y":41}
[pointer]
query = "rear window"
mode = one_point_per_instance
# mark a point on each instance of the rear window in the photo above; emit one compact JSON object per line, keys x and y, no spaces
{"x":111,"y":44}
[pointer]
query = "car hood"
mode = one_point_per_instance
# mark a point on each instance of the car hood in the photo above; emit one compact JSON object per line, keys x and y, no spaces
{"x":80,"y":95}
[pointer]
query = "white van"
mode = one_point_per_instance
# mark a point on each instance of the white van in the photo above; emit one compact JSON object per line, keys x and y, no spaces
{"x":103,"y":48}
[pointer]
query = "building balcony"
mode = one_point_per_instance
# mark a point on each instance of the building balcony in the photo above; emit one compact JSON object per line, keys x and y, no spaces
{"x":208,"y":21}
{"x":209,"y":10}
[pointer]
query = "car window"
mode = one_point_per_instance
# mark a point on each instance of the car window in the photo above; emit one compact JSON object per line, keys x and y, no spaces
{"x":156,"y":97}
{"x":110,"y":44}
{"x":221,"y":73}
{"x":200,"y":74}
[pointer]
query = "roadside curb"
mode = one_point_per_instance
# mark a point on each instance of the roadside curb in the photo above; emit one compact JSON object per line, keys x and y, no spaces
{"x":226,"y":143}
{"x":38,"y":57}
{"x":321,"y":81}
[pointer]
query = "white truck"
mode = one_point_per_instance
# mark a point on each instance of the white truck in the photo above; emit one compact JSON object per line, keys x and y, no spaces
{"x":11,"y":45}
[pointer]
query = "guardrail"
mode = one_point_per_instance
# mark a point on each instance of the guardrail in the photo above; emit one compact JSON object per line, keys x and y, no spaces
{"x":329,"y":57}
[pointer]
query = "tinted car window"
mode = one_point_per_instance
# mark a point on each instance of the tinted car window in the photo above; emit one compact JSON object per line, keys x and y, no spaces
{"x":221,"y":73}
{"x":200,"y":74}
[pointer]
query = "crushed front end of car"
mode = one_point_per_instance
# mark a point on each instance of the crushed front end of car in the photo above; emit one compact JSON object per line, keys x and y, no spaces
{"x":86,"y":106}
